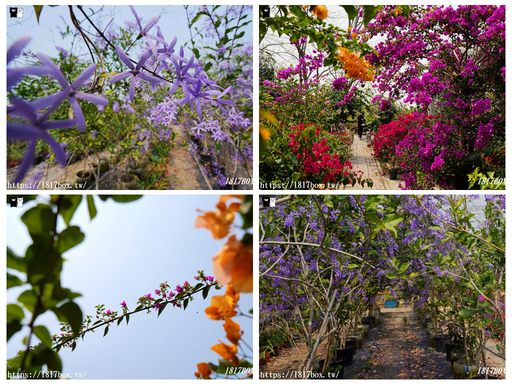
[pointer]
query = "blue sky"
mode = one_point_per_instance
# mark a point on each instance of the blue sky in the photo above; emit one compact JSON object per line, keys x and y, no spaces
{"x":173,"y":22}
{"x":128,"y":251}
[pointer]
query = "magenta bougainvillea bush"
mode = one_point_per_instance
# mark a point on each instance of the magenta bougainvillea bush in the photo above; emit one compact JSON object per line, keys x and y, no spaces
{"x":450,"y":60}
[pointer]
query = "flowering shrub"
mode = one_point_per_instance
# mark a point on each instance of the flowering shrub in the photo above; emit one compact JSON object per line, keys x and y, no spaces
{"x":461,"y":78}
{"x":318,"y":165}
{"x":144,"y":86}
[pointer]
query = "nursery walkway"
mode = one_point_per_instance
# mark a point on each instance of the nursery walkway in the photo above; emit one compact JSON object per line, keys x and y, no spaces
{"x":396,"y":349}
{"x":363,"y":160}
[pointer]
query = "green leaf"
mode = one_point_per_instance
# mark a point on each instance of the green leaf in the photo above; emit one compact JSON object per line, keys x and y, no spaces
{"x":42,"y":334}
{"x":206,"y":291}
{"x":69,"y":238}
{"x":13,"y":281}
{"x":351,"y":11}
{"x":38,"y":9}
{"x":91,"y":207}
{"x":42,"y":355}
{"x":327,"y":240}
{"x":207,"y":66}
{"x":44,"y":267}
{"x":239,"y":35}
{"x":39,"y":220}
{"x":196,"y":18}
{"x":71,"y":313}
{"x":391,"y":275}
{"x":73,"y":346}
{"x":161,"y":309}
{"x":119,"y":321}
{"x":185,"y":304}
{"x":15,"y":312}
{"x":68,"y":205}
{"x":352,"y":266}
{"x":106,"y":331}
{"x":107,"y":75}
{"x":120,"y":198}
{"x":13,"y":326}
{"x":127,"y":319}
{"x":406,"y":9}
{"x":297,"y":11}
{"x":369,"y":13}
{"x":29,"y":299}
{"x":403,"y":268}
{"x":15,"y":262}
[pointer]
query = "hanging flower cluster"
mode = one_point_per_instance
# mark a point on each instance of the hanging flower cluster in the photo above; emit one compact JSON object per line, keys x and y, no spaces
{"x":320,"y":11}
{"x":232,"y":266}
{"x":354,"y":65}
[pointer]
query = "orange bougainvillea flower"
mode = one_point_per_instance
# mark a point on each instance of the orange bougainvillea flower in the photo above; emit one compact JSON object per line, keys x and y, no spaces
{"x":222,"y":307}
{"x":233,"y":265}
{"x":228,"y":352}
{"x":232,"y":331}
{"x":219,"y":222}
{"x":233,"y":207}
{"x":231,"y":292}
{"x":265,"y":133}
{"x":203,"y":370}
{"x":320,"y":11}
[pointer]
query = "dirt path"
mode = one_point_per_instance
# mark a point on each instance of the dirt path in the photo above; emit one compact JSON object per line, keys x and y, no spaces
{"x":399,"y":349}
{"x":183,"y":169}
{"x":396,"y":349}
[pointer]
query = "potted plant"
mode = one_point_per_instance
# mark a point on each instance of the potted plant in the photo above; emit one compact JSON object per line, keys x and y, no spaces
{"x":393,"y":171}
{"x":129,"y":181}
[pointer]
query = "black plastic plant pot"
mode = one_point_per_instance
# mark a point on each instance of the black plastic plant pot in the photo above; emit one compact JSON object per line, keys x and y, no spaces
{"x":346,"y":356}
{"x":440,"y":341}
{"x":205,"y":158}
{"x":351,"y":342}
{"x":370,"y":320}
{"x":37,"y":160}
{"x":392,"y":174}
{"x":448,"y":348}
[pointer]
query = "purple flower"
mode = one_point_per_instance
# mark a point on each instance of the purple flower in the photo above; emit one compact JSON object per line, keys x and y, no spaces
{"x":143,"y":32}
{"x":108,"y":313}
{"x":183,"y":78}
{"x":148,"y":296}
{"x":135,"y":71}
{"x":94,"y":134}
{"x":123,"y":304}
{"x":157,"y":292}
{"x":14,"y":75}
{"x":210,"y":279}
{"x":221,"y":101}
{"x":158,"y":306}
{"x":179,"y":289}
{"x":63,"y":51}
{"x":115,"y":107}
{"x":36,"y":129}
{"x":70,"y":91}
{"x":168,"y":53}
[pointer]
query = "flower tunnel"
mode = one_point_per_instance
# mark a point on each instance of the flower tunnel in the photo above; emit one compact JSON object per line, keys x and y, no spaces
{"x":331,"y":268}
